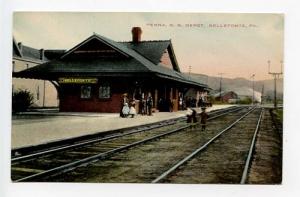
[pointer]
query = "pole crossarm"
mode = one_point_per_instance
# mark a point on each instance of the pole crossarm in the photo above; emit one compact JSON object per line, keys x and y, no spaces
{"x":276,"y":76}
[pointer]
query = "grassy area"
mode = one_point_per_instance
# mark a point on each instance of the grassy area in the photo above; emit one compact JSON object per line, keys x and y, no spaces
{"x":279,"y":113}
{"x":218,"y":103}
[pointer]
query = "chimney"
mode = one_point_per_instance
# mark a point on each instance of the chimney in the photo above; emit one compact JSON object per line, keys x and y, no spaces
{"x":20,"y":46}
{"x":136,"y":34}
{"x":42,"y":54}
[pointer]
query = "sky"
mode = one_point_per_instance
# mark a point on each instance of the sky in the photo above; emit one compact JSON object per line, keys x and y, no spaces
{"x":237,"y":45}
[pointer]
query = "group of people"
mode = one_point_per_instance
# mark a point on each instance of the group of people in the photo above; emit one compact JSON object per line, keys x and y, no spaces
{"x":192,"y":117}
{"x":165,"y":105}
{"x":190,"y":102}
{"x":146,"y":104}
{"x":128,"y":106}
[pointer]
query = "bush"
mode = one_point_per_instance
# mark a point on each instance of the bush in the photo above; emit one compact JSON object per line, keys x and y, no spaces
{"x":21,"y":100}
{"x":245,"y":101}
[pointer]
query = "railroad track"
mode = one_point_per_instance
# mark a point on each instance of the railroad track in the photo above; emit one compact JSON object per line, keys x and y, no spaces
{"x":144,"y":163}
{"x":266,"y":165}
{"x":225,"y":158}
{"x":22,"y":153}
{"x":35,"y":166}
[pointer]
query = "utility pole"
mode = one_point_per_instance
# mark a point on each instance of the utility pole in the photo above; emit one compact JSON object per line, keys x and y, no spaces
{"x":262,"y":94}
{"x":221,"y":74}
{"x":276,"y":76}
{"x":252,"y":77}
{"x":190,"y":69}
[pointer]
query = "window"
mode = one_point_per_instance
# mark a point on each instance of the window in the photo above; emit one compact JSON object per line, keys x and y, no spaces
{"x":38,"y":93}
{"x":85,"y":92}
{"x":104,"y":91}
{"x":14,"y":66}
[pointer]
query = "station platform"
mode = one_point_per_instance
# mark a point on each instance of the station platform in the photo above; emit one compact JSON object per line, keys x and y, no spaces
{"x":33,"y":128}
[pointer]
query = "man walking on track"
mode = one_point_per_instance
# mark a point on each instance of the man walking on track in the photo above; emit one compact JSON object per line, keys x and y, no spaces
{"x":204,"y":116}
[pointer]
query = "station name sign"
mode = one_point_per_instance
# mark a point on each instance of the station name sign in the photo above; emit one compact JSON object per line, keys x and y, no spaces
{"x":95,"y":51}
{"x":77,"y":80}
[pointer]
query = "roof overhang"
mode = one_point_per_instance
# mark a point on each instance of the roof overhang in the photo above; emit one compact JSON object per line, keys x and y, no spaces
{"x":183,"y":81}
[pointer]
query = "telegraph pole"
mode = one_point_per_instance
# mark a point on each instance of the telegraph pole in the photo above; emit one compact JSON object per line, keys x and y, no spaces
{"x":190,"y":69}
{"x":276,"y":76}
{"x":206,"y":79}
{"x":262,"y":94}
{"x":252,"y":77}
{"x":221,"y":74}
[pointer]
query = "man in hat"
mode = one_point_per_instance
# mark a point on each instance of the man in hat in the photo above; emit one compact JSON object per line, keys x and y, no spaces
{"x":204,"y":116}
{"x":149,"y":103}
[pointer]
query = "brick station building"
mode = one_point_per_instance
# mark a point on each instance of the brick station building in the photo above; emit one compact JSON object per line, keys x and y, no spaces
{"x":93,"y":75}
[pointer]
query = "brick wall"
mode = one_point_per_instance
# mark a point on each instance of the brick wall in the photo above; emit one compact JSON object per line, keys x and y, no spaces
{"x":76,"y":104}
{"x":71,"y":101}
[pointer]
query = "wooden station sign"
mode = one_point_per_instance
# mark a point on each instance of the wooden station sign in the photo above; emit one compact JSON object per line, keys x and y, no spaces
{"x":77,"y":80}
{"x":95,"y":51}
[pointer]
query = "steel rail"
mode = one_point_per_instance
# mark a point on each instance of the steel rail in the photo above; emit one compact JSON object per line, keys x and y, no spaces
{"x":226,"y":112}
{"x":51,"y":145}
{"x":99,"y":156}
{"x":67,"y":147}
{"x":38,"y":154}
{"x":247,"y":165}
{"x":181,"y":162}
{"x":226,"y":109}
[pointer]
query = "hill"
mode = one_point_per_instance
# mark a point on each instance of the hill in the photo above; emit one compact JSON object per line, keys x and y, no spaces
{"x":240,"y":84}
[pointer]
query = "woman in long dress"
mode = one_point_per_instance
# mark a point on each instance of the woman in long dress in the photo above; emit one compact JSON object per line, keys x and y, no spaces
{"x":125,"y":110}
{"x":124,"y":100}
{"x":132,"y":110}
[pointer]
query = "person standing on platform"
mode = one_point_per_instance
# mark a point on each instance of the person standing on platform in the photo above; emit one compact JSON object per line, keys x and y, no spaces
{"x":143,"y":105}
{"x":124,"y":101}
{"x":125,"y":110}
{"x":180,"y":103}
{"x":200,"y":102}
{"x":170,"y":105}
{"x":149,"y":104}
{"x":204,"y":116}
{"x":132,"y":110}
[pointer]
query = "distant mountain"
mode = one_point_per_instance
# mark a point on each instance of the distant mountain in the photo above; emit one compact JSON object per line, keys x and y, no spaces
{"x":240,"y":84}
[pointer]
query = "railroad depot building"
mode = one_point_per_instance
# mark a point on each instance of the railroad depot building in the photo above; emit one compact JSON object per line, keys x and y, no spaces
{"x":93,"y":75}
{"x":24,"y":57}
{"x":226,"y":96}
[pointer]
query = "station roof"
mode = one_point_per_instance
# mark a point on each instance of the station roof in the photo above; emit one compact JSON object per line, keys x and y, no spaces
{"x":30,"y":53}
{"x":217,"y":94}
{"x":142,"y":57}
